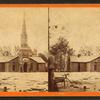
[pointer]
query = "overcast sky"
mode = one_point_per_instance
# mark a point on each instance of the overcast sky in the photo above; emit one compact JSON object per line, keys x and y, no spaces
{"x":11,"y":20}
{"x":81,"y":26}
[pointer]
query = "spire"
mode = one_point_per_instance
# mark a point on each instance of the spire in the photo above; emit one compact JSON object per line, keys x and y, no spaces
{"x":24,"y":33}
{"x":24,"y":25}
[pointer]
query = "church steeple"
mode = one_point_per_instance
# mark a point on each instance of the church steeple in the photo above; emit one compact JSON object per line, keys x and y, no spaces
{"x":24,"y":34}
{"x":25,"y":50}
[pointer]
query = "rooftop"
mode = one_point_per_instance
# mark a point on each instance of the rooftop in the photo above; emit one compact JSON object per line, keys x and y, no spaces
{"x":6,"y":58}
{"x":83,"y":58}
{"x":37,"y":59}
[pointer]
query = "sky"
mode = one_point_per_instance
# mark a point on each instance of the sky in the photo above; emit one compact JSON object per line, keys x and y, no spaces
{"x":80,"y":26}
{"x":11,"y":20}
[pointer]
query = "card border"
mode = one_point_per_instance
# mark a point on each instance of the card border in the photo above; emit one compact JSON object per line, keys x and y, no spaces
{"x":50,"y":94}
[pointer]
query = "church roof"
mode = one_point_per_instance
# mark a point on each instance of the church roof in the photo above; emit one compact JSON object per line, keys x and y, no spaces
{"x":37,"y":59}
{"x":6,"y":58}
{"x":83,"y":58}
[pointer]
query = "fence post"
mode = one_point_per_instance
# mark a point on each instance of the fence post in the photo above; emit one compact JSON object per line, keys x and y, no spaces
{"x":5,"y":89}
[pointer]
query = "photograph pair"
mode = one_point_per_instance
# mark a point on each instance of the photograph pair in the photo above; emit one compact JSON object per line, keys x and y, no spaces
{"x":49,"y":49}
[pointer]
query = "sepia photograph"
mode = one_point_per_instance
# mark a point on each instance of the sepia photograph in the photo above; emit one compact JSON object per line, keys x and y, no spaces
{"x":23,"y":49}
{"x":74,"y":49}
{"x":49,"y":49}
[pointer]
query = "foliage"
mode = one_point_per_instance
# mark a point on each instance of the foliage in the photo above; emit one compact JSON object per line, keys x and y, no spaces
{"x":16,"y":50}
{"x":5,"y":51}
{"x":8,"y":51}
{"x":86,"y":51}
{"x":98,"y":50}
{"x":59,"y":50}
{"x":62,"y":46}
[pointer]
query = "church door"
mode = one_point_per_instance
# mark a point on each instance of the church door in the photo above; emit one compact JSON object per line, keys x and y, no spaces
{"x":25,"y":67}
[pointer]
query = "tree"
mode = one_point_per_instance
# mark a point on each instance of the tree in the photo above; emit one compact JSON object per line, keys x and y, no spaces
{"x":98,"y":50}
{"x":16,"y":50}
{"x":86,"y":51}
{"x":61,"y":46}
{"x":60,"y":50}
{"x":5,"y":51}
{"x":70,"y":52}
{"x":8,"y":51}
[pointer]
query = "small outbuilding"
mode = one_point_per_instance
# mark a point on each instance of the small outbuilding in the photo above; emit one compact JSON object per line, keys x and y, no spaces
{"x":85,"y":64}
{"x":13,"y":64}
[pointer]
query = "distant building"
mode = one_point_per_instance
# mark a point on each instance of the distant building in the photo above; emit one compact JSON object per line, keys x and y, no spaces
{"x":84,"y":64}
{"x":26,"y":61}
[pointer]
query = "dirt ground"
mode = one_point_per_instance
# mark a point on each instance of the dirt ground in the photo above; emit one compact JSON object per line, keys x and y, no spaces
{"x":25,"y":82}
{"x":80,"y":81}
{"x":38,"y":81}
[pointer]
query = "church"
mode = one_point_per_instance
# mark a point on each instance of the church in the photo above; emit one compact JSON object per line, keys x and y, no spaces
{"x":25,"y":61}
